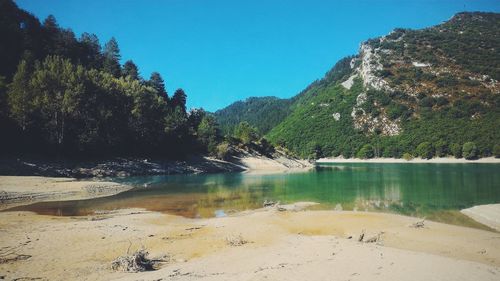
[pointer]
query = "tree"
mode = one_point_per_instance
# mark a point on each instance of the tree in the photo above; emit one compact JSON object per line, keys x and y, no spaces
{"x":112,"y":57}
{"x":179,"y":100}
{"x":496,"y":151}
{"x":366,"y":152}
{"x":469,"y":151}
{"x":20,"y":96}
{"x":131,"y":70}
{"x":456,"y":150}
{"x":314,"y":150}
{"x":246,"y":133}
{"x":58,"y":89}
{"x":441,"y":148}
{"x":90,"y":53}
{"x":425,"y":150}
{"x":157,"y":83}
{"x":208,"y":133}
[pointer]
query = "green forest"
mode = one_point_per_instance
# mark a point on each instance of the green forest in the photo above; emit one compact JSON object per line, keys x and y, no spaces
{"x":62,"y":96}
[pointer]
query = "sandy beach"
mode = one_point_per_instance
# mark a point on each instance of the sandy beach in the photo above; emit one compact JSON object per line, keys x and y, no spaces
{"x":286,"y":243}
{"x":443,"y":160}
{"x":21,"y":190}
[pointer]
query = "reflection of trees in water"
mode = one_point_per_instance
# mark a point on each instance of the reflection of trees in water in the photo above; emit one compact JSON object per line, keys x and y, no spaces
{"x":410,"y":189}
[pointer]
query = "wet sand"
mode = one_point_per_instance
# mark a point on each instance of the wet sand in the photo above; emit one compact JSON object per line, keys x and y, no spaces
{"x":486,"y":214}
{"x":293,"y":244}
{"x":22,"y":190}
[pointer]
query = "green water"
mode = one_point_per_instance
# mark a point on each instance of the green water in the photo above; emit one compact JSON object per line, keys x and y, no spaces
{"x":432,"y":190}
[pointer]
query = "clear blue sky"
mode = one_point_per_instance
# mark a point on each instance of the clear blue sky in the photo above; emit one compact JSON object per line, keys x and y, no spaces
{"x":220,"y":51}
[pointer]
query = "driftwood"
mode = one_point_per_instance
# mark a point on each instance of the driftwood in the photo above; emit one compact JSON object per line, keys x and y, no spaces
{"x":375,"y":239}
{"x":270,"y":203}
{"x":236,"y":240}
{"x":419,"y":224}
{"x":137,"y":262}
{"x":361,"y":236}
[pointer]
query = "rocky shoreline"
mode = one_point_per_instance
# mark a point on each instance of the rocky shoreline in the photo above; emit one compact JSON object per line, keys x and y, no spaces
{"x":116,"y":167}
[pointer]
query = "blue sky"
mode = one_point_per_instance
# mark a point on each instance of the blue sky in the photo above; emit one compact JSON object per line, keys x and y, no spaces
{"x":220,"y":51}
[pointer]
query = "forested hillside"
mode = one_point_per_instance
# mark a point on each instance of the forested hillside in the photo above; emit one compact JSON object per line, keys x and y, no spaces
{"x":264,"y":113}
{"x":67,"y":96}
{"x":430,"y":92}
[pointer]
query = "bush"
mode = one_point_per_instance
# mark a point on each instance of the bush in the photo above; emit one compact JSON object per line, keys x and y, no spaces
{"x":456,"y":150}
{"x":425,"y":150}
{"x":407,"y":156}
{"x":223,"y":151}
{"x":246,"y":133}
{"x":469,"y":151}
{"x":496,"y":151}
{"x":441,"y":148}
{"x":366,"y":152}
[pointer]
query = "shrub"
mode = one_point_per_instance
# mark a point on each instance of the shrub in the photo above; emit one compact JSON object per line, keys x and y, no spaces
{"x":407,"y":156}
{"x":496,"y":151}
{"x":441,"y":148}
{"x":425,"y":150}
{"x":469,"y":150}
{"x":246,"y":133}
{"x":456,"y":150}
{"x":223,"y":151}
{"x":366,"y":152}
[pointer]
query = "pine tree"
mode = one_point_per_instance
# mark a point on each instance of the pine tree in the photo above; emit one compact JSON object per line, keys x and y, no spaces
{"x":131,"y":70}
{"x":20,"y":97}
{"x":90,"y":53}
{"x":156,"y":81}
{"x":112,"y":57}
{"x":179,"y":100}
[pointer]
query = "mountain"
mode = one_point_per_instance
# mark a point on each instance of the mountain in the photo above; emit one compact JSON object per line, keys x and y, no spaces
{"x":264,"y":113}
{"x":423,"y":92}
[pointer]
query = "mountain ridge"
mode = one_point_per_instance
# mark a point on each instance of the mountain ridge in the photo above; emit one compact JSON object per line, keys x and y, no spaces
{"x":437,"y":85}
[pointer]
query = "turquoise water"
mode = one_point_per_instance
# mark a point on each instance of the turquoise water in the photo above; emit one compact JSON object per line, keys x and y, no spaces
{"x":431,"y":190}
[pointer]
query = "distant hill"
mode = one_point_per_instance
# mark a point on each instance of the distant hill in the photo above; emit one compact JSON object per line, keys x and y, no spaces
{"x":262,"y":112}
{"x":412,"y":91}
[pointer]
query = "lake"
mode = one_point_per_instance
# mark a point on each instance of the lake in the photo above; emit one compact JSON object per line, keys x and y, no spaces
{"x":435,"y":191}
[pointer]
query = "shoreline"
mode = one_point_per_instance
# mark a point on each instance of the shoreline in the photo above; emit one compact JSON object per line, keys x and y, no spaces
{"x":439,"y":160}
{"x":294,"y":244}
{"x":22,"y":190}
{"x":286,"y":242}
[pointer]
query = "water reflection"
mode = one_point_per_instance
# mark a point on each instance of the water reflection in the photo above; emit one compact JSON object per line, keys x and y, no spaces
{"x":410,"y":189}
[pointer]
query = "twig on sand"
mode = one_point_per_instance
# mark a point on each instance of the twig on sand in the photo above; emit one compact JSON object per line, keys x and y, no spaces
{"x":375,"y":239}
{"x":137,"y":262}
{"x":270,"y":203}
{"x":361,"y":236}
{"x":418,"y":224}
{"x":236,"y":240}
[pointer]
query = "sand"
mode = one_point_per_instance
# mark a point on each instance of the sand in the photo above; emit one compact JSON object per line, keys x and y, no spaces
{"x":264,"y":165}
{"x":292,"y":244}
{"x":444,"y":160}
{"x":16,"y":190}
{"x":289,"y":245}
{"x":486,"y":214}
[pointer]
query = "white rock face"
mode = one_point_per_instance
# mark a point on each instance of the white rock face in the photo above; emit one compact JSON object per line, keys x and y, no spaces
{"x":370,"y":64}
{"x":336,"y":116}
{"x":361,"y":99}
{"x":420,"y":64}
{"x":349,"y":82}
